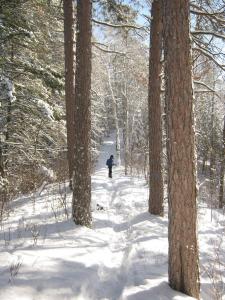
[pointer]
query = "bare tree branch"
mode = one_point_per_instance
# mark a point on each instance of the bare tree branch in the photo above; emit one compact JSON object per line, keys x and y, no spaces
{"x":107,"y":51}
{"x":209,"y":89}
{"x":131,"y":26}
{"x":210,"y":56}
{"x":207,"y":14}
{"x":205,"y":85}
{"x":218,"y":35}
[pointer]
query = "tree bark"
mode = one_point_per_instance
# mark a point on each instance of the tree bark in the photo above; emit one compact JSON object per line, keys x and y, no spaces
{"x":69,"y":79}
{"x":183,"y":246}
{"x":3,"y":193}
{"x":154,"y":107}
{"x":126,"y":130}
{"x":116,"y":120}
{"x":82,"y":117}
{"x":222,"y":169}
{"x":212,"y":155}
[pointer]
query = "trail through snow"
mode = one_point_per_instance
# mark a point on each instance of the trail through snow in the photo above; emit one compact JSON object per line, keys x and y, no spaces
{"x":124,"y":256}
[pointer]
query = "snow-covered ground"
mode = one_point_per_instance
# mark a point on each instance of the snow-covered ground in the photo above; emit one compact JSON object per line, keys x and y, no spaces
{"x":43,"y":255}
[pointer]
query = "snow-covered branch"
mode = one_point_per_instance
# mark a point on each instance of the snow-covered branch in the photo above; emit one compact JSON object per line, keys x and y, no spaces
{"x":205,"y":32}
{"x":107,"y":50}
{"x":131,"y":26}
{"x":210,"y":56}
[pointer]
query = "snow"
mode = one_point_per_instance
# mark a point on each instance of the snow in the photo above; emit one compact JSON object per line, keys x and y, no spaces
{"x":44,"y":255}
{"x":45,"y":109}
{"x":6,"y":89}
{"x":45,"y":172}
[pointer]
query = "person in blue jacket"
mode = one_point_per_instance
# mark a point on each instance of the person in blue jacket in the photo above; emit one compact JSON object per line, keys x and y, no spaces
{"x":110,"y":164}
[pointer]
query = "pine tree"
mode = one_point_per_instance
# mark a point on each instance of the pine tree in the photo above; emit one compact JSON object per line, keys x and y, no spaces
{"x":222,"y":169}
{"x":69,"y":78}
{"x":81,"y":210}
{"x":183,"y":246}
{"x":155,"y":126}
{"x":31,"y":81}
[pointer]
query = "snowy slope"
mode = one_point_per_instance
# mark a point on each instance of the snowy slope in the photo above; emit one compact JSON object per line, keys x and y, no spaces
{"x":124,"y":256}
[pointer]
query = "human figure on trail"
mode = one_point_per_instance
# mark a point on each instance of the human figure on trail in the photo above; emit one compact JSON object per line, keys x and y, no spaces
{"x":110,"y":164}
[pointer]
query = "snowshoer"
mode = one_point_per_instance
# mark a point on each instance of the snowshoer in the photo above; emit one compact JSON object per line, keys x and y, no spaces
{"x":110,"y":164}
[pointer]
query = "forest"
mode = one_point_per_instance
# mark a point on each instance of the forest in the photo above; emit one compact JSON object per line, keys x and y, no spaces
{"x":112,"y":149}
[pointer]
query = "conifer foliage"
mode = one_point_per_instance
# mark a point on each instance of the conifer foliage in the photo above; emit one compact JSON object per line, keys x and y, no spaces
{"x":32,"y":127}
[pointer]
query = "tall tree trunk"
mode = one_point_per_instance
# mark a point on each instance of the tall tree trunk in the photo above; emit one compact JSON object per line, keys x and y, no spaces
{"x":183,"y":246}
{"x":69,"y":78}
{"x":212,"y":155}
{"x":3,"y":183}
{"x":154,"y":106}
{"x":115,"y":115}
{"x":82,"y":117}
{"x":222,"y":169}
{"x":4,"y":145}
{"x":6,"y":106}
{"x":126,"y":130}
